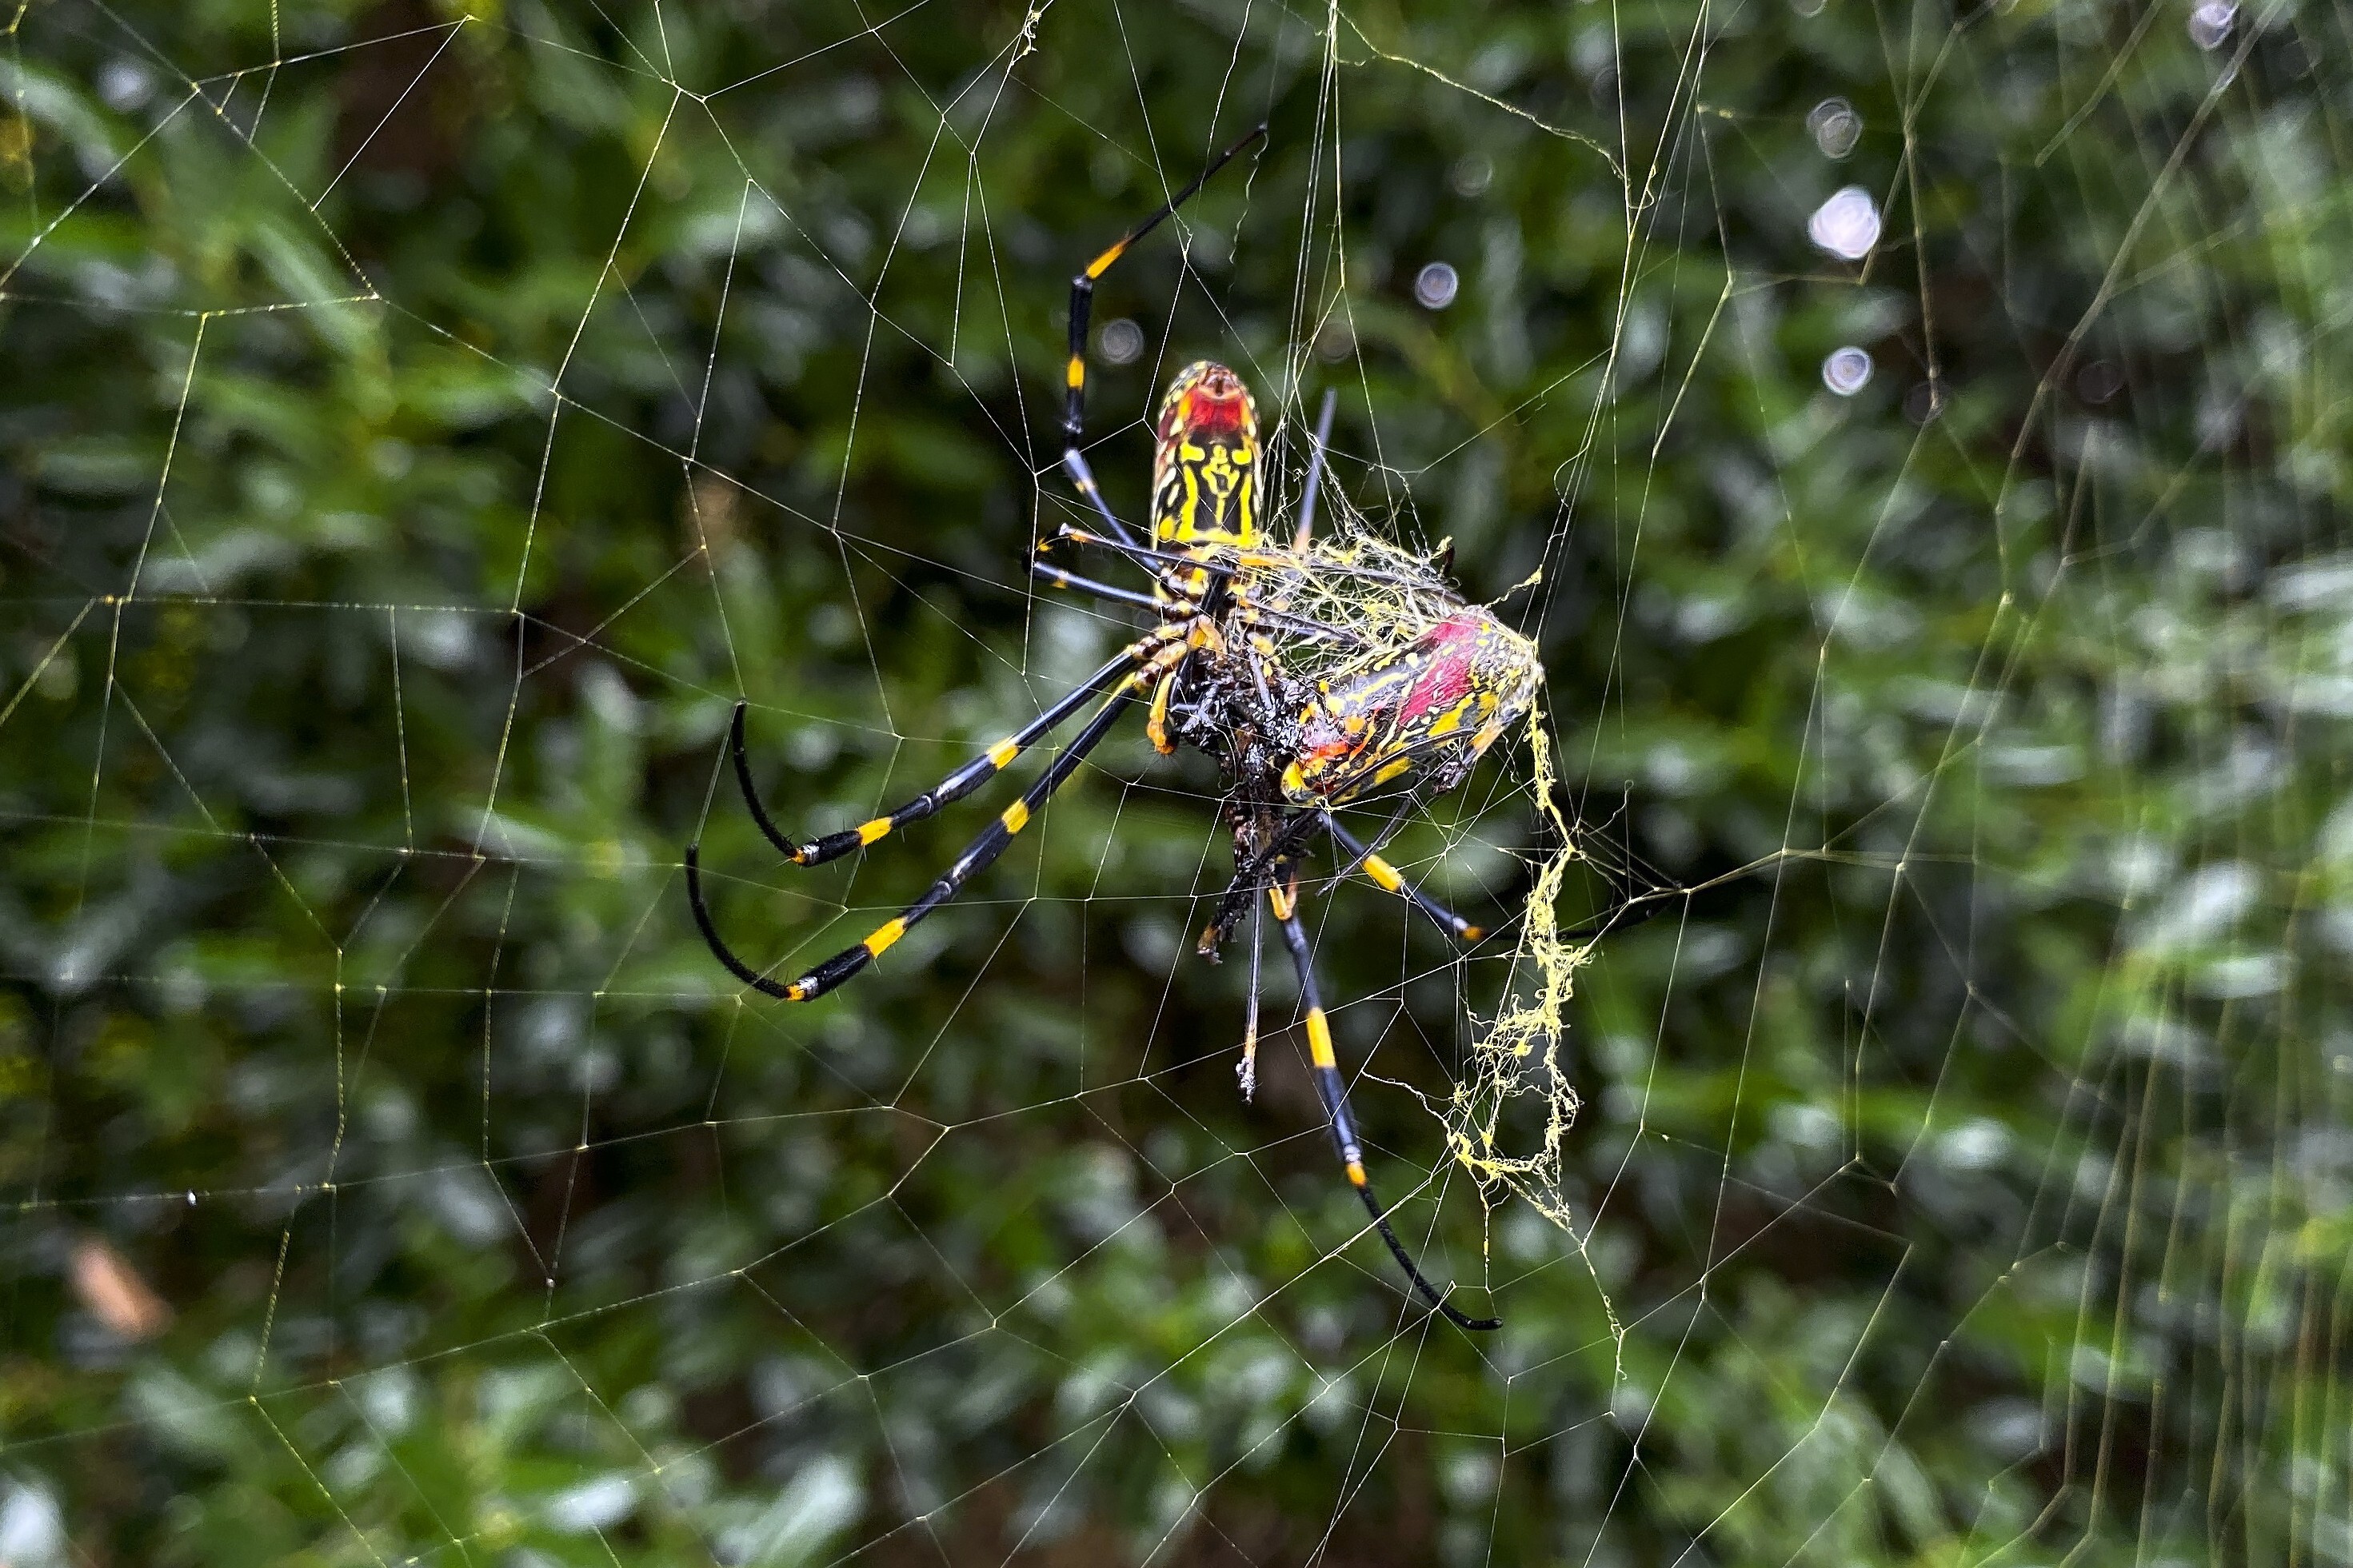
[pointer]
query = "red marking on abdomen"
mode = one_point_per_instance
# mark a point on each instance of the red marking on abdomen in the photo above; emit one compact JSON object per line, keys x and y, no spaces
{"x":1447,"y":646}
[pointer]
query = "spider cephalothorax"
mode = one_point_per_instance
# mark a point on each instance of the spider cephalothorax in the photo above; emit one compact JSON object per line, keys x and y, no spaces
{"x":1316,"y":671}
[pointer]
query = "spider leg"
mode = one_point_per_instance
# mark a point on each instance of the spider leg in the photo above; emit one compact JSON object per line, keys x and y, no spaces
{"x":978,"y":854}
{"x":1390,"y":878}
{"x":1229,"y":564}
{"x":1145,"y":553}
{"x":1334,"y":1092}
{"x":955,"y":787}
{"x":1314,"y":473}
{"x":1166,"y":576}
{"x":1252,"y":613}
{"x":1212,"y":571}
{"x":1156,"y":726}
{"x":1083,"y":300}
{"x":1075,"y":464}
{"x":1078,"y":584}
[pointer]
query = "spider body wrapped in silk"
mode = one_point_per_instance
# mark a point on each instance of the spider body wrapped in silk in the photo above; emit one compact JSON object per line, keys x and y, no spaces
{"x":1317,"y":671}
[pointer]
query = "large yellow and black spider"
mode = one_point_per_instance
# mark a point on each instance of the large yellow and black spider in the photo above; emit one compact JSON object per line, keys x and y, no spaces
{"x":1316,"y":671}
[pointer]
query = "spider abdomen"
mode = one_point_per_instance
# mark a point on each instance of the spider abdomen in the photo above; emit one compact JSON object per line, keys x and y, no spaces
{"x":1206,"y":460}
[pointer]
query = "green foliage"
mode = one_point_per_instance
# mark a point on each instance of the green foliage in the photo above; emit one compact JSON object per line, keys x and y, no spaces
{"x":421,"y":423}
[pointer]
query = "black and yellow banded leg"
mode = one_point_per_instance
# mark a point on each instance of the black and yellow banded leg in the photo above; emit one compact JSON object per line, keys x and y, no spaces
{"x":955,"y":787}
{"x":1334,"y":1093}
{"x":1082,"y":300}
{"x":1187,"y":586}
{"x":976,"y":855}
{"x":1225,"y":566}
{"x":1390,"y":878}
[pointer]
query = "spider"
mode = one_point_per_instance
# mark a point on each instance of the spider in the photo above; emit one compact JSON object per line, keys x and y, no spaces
{"x":1317,"y":672}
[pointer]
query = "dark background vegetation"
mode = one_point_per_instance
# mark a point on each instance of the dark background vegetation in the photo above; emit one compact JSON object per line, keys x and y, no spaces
{"x":418,"y":427}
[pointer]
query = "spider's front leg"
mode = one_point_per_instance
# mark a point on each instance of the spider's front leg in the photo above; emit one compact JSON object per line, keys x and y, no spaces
{"x":1136,"y":668}
{"x":1154,"y":650}
{"x":1082,"y":300}
{"x":957,"y":785}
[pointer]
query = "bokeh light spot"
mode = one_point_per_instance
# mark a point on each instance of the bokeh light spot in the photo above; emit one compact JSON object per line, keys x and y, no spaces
{"x":1847,"y":226}
{"x":1122,"y":342}
{"x":1847,"y":371}
{"x":1836,"y":127}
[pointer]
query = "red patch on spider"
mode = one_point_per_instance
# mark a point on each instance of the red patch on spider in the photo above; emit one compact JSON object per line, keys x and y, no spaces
{"x":1449,"y":647}
{"x":1201,"y":412}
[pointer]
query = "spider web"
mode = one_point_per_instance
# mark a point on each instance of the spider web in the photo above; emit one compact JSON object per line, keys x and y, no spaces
{"x":424,"y":424}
